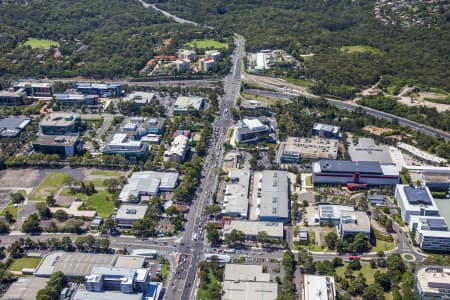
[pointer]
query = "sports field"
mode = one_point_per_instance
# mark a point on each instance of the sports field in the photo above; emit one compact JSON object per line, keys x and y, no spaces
{"x":207,"y":44}
{"x":40,"y":44}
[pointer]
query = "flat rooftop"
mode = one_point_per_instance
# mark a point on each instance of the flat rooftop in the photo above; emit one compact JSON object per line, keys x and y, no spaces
{"x":318,"y":287}
{"x":238,"y":272}
{"x":355,"y":221}
{"x":25,"y":288}
{"x":433,"y":278}
{"x":333,"y":211}
{"x":273,"y":229}
{"x":59,"y":119}
{"x":72,"y":263}
{"x":347,"y":166}
{"x":274,"y":194}
{"x":367,"y":150}
{"x":183,"y":103}
{"x":236,"y":192}
{"x":129,"y":261}
{"x":131,"y":212}
{"x":56,"y":140}
{"x":249,"y":290}
{"x":83,"y":294}
{"x":310,"y":147}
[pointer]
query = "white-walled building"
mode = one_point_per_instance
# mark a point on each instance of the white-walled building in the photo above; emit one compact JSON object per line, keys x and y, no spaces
{"x":178,"y":149}
{"x":415,"y":201}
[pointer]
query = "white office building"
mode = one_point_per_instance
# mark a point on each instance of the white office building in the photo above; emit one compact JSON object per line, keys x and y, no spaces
{"x":431,"y":233}
{"x":319,"y":287}
{"x":415,"y":201}
{"x":178,"y":149}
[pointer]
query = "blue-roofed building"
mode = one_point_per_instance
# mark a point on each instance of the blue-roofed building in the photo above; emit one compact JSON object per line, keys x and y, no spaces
{"x":360,"y":172}
{"x":376,"y":199}
{"x":431,"y":233}
{"x":415,"y":201}
{"x":101,"y":89}
{"x":76,"y":99}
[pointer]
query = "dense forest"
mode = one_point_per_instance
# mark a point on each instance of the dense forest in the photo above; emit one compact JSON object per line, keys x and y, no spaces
{"x":417,"y":54}
{"x":97,"y":38}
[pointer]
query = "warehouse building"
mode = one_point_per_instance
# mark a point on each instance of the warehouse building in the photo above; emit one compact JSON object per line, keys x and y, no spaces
{"x":354,"y":172}
{"x":148,"y":183}
{"x":273,"y":196}
{"x":432,"y":282}
{"x":415,"y":201}
{"x":293,"y":149}
{"x":235,"y":201}
{"x":431,"y":233}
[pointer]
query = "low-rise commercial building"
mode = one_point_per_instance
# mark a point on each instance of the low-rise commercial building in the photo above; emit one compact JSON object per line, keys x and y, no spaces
{"x":358,"y":172}
{"x":415,"y":201}
{"x":352,"y":223}
{"x":296,"y":148}
{"x":101,"y":89}
{"x":235,"y":201}
{"x":326,"y":130}
{"x":421,"y":155}
{"x":332,"y":213}
{"x":60,"y":123}
{"x":206,"y":64}
{"x":35,"y":89}
{"x":141,"y":98}
{"x":184,"y":104}
{"x":252,"y":228}
{"x":253,"y":130}
{"x":137,"y":127}
{"x":127,"y":214}
{"x":253,"y":107}
{"x":376,"y":199}
{"x":12,"y":98}
{"x":319,"y":288}
{"x":247,"y":282}
{"x":66,"y":145}
{"x":273,"y":196}
{"x":12,"y":126}
{"x":178,"y":149}
{"x":431,"y":233}
{"x":432,"y":283}
{"x":148,"y":183}
{"x":133,"y":150}
{"x":71,"y":99}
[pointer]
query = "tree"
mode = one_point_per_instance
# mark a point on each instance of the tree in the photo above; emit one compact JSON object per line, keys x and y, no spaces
{"x":66,"y":243}
{"x":357,"y":285}
{"x":4,"y":228}
{"x":395,"y":262}
{"x":373,"y":292}
{"x":9,"y":217}
{"x":331,"y":240}
{"x":17,"y":197}
{"x":234,"y":237}
{"x":359,"y":243}
{"x":43,"y":210}
{"x":51,"y":201}
{"x":31,"y":225}
{"x":60,"y":215}
{"x":212,"y":210}
{"x":52,"y":290}
{"x":212,"y":234}
{"x":382,"y":280}
{"x":354,"y":265}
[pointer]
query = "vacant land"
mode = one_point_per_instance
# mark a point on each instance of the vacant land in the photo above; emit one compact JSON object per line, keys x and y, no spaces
{"x":100,"y":201}
{"x":360,"y":49}
{"x":106,"y":173}
{"x":12,"y":210}
{"x":206,"y":44}
{"x":40,"y":44}
{"x":25,"y":262}
{"x":51,"y":183}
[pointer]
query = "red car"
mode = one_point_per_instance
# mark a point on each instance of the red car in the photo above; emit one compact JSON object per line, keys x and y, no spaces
{"x":352,"y":257}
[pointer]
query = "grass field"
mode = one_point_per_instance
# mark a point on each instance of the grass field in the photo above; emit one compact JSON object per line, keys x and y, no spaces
{"x":12,"y":210}
{"x":40,"y":44}
{"x":366,"y":270}
{"x":51,"y":183}
{"x":205,"y":44}
{"x":382,"y":246}
{"x":106,"y":173}
{"x":97,"y":201}
{"x":300,"y":82}
{"x":360,"y":49}
{"x":25,"y":262}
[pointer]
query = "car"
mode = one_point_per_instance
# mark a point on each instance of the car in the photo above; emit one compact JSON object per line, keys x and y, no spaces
{"x":354,"y":257}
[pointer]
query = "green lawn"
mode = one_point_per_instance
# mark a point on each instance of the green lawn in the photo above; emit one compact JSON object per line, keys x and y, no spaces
{"x":308,"y":180}
{"x":107,"y":173}
{"x":204,"y":44}
{"x":12,"y":210}
{"x":360,"y":49}
{"x":382,"y":246}
{"x":97,"y":201}
{"x":51,"y":183}
{"x":203,"y":293}
{"x":24,"y":262}
{"x":40,"y":44}
{"x":366,"y":270}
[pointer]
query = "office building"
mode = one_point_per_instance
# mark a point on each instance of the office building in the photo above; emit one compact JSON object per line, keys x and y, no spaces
{"x":436,"y":182}
{"x":295,"y":148}
{"x":133,"y":150}
{"x":178,"y":149}
{"x":247,"y":282}
{"x":182,"y":65}
{"x":367,"y":150}
{"x":431,"y":233}
{"x":59,"y":123}
{"x":332,"y":213}
{"x":352,"y":223}
{"x":432,"y":283}
{"x":70,"y":99}
{"x":186,"y":54}
{"x":183,"y":105}
{"x":327,"y":131}
{"x":319,"y":287}
{"x":415,"y":201}
{"x":12,"y":126}
{"x":376,"y":199}
{"x":148,"y":183}
{"x":206,"y":64}
{"x":273,"y":196}
{"x":253,"y":130}
{"x":235,"y":201}
{"x":101,"y":89}
{"x":253,"y":108}
{"x":141,"y":98}
{"x":355,"y":172}
{"x":127,"y":214}
{"x":66,"y":145}
{"x":214,"y":54}
{"x":35,"y":89}
{"x":252,"y":228}
{"x":13,"y":98}
{"x":137,"y":127}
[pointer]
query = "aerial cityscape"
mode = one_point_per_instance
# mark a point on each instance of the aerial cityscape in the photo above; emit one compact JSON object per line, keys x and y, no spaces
{"x":235,"y":150}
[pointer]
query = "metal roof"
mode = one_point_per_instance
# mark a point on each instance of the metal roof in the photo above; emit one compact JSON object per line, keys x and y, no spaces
{"x":274,"y":194}
{"x":417,"y":195}
{"x":347,"y":166}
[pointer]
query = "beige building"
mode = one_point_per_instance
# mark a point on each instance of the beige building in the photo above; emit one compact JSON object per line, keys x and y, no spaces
{"x":295,"y":148}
